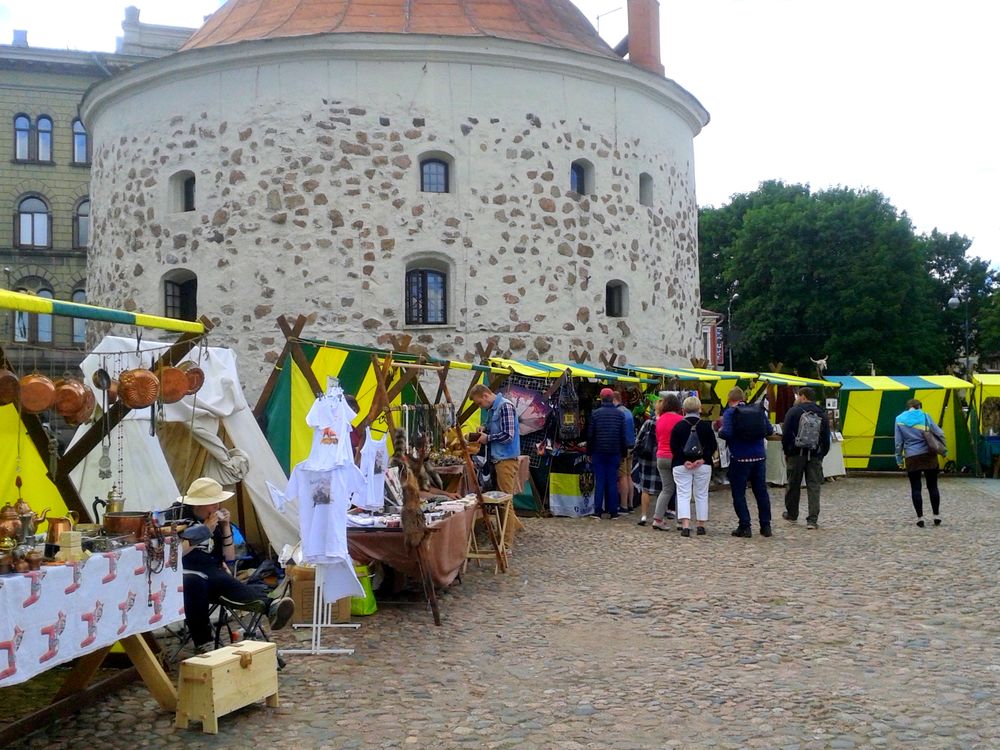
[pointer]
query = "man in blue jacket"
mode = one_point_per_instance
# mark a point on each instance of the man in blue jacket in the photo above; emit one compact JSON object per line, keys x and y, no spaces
{"x":502,"y":433}
{"x":607,"y":446}
{"x":744,"y":429}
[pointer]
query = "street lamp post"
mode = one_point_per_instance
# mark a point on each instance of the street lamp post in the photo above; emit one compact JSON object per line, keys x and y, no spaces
{"x":953,"y":304}
{"x":729,"y":327}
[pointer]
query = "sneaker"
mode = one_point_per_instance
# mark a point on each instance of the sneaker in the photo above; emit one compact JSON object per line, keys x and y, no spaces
{"x":660,"y":526}
{"x":812,"y":525}
{"x":595,"y":516}
{"x":701,"y":531}
{"x":937,"y":520}
{"x":203,"y":648}
{"x":920,"y":523}
{"x":627,"y":510}
{"x":614,"y":516}
{"x":671,"y":514}
{"x":742,"y":532}
{"x":784,"y":514}
{"x":765,"y":531}
{"x":685,"y":532}
{"x":280,"y":612}
{"x":642,"y":521}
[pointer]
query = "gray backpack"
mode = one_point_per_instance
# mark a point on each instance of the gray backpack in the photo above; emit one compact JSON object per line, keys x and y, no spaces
{"x":810,"y":428}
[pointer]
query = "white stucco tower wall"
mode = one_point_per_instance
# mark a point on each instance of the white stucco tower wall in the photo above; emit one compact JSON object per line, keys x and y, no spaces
{"x":306,"y":151}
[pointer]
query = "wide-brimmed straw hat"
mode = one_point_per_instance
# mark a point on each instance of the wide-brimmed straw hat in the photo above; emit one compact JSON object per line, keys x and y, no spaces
{"x":205,"y":491}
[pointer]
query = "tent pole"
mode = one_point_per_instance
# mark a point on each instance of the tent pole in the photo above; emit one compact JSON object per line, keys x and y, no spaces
{"x":279,"y":365}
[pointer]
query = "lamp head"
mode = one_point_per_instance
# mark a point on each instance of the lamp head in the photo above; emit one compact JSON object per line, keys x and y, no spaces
{"x":953,"y":303}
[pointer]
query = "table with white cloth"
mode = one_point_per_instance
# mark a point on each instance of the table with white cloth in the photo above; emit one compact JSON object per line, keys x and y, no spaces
{"x":62,"y":612}
{"x":833,"y":463}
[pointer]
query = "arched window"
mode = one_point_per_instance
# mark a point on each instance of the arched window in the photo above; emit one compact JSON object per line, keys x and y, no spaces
{"x":33,"y":221}
{"x":22,"y":138}
{"x":616,"y":299}
{"x":180,"y":295}
{"x":79,"y":324}
{"x":182,"y":191}
{"x":426,"y":297}
{"x":581,"y":177}
{"x":34,"y":328}
{"x":43,"y":139}
{"x":81,"y":145}
{"x":645,"y":189}
{"x":81,"y":224}
{"x":434,"y":176}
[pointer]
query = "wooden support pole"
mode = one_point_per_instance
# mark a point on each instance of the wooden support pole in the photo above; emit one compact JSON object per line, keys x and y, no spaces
{"x":279,"y":365}
{"x":299,"y":357}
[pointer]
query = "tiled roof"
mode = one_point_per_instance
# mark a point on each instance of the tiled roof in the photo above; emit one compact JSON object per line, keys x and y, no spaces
{"x":556,"y":23}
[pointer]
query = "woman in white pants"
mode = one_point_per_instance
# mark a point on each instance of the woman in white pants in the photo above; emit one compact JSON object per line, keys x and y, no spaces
{"x":692,"y":464}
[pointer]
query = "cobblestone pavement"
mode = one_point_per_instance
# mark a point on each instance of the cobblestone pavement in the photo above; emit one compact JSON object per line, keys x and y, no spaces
{"x":869,"y":632}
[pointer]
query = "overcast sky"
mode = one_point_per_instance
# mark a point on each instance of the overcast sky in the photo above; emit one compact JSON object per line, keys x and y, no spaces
{"x":898,"y":96}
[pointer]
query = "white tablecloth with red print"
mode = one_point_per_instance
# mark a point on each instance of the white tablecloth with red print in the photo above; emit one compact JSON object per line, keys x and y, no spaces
{"x":60,"y":612}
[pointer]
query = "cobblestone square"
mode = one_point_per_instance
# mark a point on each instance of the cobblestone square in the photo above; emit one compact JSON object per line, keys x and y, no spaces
{"x":868,"y":632}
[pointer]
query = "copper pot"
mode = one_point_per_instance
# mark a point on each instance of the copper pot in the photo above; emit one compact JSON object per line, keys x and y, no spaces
{"x":59,"y":525}
{"x":138,"y":389}
{"x":38,"y":393}
{"x":196,"y":379}
{"x":8,"y":387}
{"x":125,"y":522}
{"x":10,"y":523}
{"x":173,"y":384}
{"x":86,"y":410}
{"x":70,"y":396}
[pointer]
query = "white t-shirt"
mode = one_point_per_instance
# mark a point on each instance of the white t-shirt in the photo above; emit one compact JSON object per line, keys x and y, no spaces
{"x":374,"y":462}
{"x":330,"y":417}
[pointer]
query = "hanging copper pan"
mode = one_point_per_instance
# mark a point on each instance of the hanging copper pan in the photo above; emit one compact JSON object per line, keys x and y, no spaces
{"x":69,"y":397}
{"x":37,"y":393}
{"x":138,"y":389}
{"x":8,"y":387}
{"x":196,"y":379}
{"x":173,"y":384}
{"x":86,"y":410}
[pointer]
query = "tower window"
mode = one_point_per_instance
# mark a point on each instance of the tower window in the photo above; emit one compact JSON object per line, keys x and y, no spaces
{"x":581,"y":177}
{"x":182,"y":192}
{"x":434,"y":176}
{"x":616,"y":299}
{"x":180,"y":295}
{"x":645,"y":189}
{"x":426,"y":297}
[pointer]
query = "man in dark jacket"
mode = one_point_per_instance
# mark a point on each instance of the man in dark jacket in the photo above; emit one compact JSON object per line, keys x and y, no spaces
{"x":744,"y":433}
{"x":607,"y":446}
{"x":805,"y":440}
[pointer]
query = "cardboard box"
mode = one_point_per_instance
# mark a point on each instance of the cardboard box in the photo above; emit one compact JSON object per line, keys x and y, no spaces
{"x":303,"y":581}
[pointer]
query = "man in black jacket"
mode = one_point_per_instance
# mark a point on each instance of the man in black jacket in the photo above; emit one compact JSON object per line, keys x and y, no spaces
{"x":805,"y":438}
{"x":607,"y":446}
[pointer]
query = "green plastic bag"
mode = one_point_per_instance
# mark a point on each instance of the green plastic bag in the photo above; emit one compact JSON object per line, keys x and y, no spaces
{"x":364,"y":605}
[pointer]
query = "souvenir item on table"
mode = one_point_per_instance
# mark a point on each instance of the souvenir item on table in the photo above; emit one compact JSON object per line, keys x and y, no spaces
{"x":86,"y":410}
{"x":8,"y":387}
{"x":10,"y":523}
{"x":195,"y":377}
{"x":173,"y":384}
{"x":530,"y":406}
{"x":58,"y":525}
{"x":38,"y":393}
{"x":138,"y":388}
{"x":330,"y":417}
{"x":374,"y":462}
{"x":24,"y":510}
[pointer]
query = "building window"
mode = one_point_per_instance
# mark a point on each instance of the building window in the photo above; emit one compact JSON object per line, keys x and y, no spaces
{"x":22,"y":138}
{"x":581,"y":177}
{"x":81,"y":224}
{"x":43,"y":139}
{"x":33,"y":328}
{"x":426,"y":297}
{"x":79,"y":324}
{"x":182,"y":192}
{"x":645,"y":189}
{"x":616,"y":299}
{"x":81,"y":145}
{"x":32,"y":224}
{"x":180,"y":295}
{"x":434,"y":176}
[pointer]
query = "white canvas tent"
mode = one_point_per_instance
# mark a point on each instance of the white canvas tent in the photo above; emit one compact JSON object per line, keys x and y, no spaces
{"x":146,"y":474}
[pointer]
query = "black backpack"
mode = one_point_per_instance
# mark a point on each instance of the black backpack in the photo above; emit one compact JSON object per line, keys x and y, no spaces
{"x":692,"y":446}
{"x":645,"y":447}
{"x":749,"y":423}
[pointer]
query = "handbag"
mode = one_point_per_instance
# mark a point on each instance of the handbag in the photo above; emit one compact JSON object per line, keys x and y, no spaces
{"x":692,"y":447}
{"x":934,"y":443}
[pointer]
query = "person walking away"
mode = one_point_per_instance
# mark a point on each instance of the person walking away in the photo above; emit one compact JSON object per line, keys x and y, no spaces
{"x":502,"y":434}
{"x":692,"y":443}
{"x":745,"y":428}
{"x":914,"y":453}
{"x":805,"y":440}
{"x":669,"y":411}
{"x":625,"y":484}
{"x":644,"y":452}
{"x":606,"y":446}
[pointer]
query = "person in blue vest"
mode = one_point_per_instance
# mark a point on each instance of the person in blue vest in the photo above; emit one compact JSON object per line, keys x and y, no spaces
{"x":607,"y":446}
{"x":502,"y":434}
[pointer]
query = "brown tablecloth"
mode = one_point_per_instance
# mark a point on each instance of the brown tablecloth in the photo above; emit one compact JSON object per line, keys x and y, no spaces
{"x":444,"y":550}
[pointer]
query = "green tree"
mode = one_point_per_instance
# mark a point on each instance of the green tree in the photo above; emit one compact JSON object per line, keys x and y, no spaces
{"x":838,"y":273}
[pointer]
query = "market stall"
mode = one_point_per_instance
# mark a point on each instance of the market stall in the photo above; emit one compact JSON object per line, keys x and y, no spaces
{"x":869,"y":407}
{"x":71,"y":607}
{"x":984,"y":421}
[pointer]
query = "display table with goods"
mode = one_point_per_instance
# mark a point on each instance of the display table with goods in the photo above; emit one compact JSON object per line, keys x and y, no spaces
{"x":777,"y":474}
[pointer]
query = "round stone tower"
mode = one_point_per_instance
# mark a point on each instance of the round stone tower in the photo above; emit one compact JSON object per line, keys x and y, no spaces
{"x":453,"y":170}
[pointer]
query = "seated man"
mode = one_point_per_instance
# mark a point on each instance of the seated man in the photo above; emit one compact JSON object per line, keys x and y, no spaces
{"x":207,"y":547}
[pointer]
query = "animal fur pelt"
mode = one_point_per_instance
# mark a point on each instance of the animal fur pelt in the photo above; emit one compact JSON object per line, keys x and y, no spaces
{"x":414,"y":525}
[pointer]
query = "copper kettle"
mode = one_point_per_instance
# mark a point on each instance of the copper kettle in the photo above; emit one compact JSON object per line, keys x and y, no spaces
{"x":10,"y":523}
{"x":23,"y":509}
{"x":58,"y":525}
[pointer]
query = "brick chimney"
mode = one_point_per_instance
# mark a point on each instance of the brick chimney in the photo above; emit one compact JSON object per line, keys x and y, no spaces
{"x":644,"y":35}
